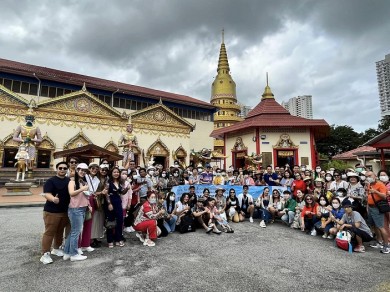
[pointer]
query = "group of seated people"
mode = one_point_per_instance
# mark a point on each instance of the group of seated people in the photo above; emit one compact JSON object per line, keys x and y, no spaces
{"x":88,"y":202}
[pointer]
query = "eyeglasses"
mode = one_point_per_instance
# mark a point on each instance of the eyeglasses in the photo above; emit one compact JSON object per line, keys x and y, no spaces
{"x":62,"y":168}
{"x":308,"y":199}
{"x":105,"y":170}
{"x":72,"y":162}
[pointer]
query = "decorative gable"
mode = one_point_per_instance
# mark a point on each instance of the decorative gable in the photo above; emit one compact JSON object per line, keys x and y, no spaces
{"x":157,"y":119}
{"x":9,"y":98}
{"x":79,"y":140}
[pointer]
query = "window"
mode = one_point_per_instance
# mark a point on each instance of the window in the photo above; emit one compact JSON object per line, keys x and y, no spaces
{"x":16,"y":86}
{"x":122,"y":103}
{"x":33,"y":89}
{"x":67,"y":91}
{"x":133,"y":105}
{"x":60,"y":91}
{"x":45,"y":91}
{"x":116,"y":102}
{"x":24,"y":88}
{"x":52,"y":92}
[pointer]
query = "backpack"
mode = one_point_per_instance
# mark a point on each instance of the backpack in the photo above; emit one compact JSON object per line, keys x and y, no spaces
{"x":343,"y":240}
{"x":187,"y":224}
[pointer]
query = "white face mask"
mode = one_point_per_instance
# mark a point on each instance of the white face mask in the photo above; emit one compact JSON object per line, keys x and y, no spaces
{"x":303,"y":168}
{"x":322,"y":203}
{"x":336,"y":205}
{"x":384,"y":178}
{"x":343,"y":176}
{"x":176,"y":174}
{"x":134,"y":176}
{"x":152,"y":201}
{"x":318,"y":169}
{"x":223,"y":174}
{"x":164,"y":175}
{"x":370,"y":180}
{"x":340,"y":194}
{"x":328,"y":178}
{"x":200,"y":169}
{"x":172,"y":198}
{"x":362,"y":177}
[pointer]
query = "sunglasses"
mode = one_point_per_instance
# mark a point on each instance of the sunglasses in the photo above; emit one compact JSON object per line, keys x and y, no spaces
{"x":336,"y":175}
{"x":72,"y":162}
{"x":105,"y":170}
{"x":62,"y":168}
{"x":308,"y":199}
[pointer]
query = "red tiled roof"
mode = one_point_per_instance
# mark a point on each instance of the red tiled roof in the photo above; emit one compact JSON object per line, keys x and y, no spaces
{"x":78,"y":79}
{"x":268,"y":113}
{"x":351,"y":153}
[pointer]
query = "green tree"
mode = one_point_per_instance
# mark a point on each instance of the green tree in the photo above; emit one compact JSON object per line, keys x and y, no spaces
{"x":368,"y":134}
{"x":341,"y":139}
{"x":384,"y":124}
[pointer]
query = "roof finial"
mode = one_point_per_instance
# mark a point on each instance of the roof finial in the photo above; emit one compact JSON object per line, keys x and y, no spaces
{"x":267,"y":90}
{"x":223,"y":35}
{"x":267,"y":77}
{"x":84,"y":88}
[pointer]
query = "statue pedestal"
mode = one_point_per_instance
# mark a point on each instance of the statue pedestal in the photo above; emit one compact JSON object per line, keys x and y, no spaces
{"x":18,"y":189}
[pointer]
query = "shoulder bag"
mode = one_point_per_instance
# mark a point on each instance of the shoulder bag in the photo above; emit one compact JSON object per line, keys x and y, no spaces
{"x":382,"y":205}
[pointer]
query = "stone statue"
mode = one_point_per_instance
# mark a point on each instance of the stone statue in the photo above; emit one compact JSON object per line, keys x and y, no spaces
{"x":21,"y":165}
{"x":127,"y":141}
{"x":29,"y":135}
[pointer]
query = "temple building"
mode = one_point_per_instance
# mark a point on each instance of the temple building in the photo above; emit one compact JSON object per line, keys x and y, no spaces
{"x":270,"y":135}
{"x":73,"y":110}
{"x":223,"y":96}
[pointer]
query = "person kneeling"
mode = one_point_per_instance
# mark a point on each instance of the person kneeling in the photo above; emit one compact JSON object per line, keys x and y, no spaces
{"x":355,"y":223}
{"x":289,"y":208}
{"x":146,"y":220}
{"x":203,"y":216}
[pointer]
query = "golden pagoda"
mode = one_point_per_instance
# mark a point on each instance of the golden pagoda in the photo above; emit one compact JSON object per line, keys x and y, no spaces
{"x":223,"y":95}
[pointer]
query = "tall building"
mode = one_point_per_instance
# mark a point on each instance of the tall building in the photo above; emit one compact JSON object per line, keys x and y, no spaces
{"x":223,"y":95}
{"x":383,"y":76}
{"x":245,"y":109}
{"x":300,"y":106}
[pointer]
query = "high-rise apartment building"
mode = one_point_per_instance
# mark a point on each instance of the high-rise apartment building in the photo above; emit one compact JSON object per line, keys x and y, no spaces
{"x":383,"y":76}
{"x":300,"y":106}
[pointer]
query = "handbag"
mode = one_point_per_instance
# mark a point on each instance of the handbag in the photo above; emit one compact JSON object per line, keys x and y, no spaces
{"x":382,"y":205}
{"x":343,"y":240}
{"x":88,"y":215}
{"x":110,"y":224}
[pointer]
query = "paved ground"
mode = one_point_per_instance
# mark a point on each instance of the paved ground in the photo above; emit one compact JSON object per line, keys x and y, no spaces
{"x":252,"y":259}
{"x":14,"y":201}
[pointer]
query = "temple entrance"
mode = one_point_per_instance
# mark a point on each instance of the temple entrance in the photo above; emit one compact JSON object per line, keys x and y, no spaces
{"x":159,"y":160}
{"x":43,"y":158}
{"x":9,"y":157}
{"x":239,"y":159}
{"x":284,"y":157}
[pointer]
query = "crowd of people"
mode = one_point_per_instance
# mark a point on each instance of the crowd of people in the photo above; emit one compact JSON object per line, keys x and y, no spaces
{"x":88,"y":203}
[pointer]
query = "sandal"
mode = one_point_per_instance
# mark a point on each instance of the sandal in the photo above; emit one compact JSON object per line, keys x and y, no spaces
{"x":110,"y":245}
{"x":120,"y":243}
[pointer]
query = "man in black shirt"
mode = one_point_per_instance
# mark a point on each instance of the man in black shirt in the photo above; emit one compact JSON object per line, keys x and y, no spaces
{"x":55,"y":212}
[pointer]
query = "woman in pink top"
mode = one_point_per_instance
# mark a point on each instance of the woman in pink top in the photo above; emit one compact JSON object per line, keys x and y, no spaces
{"x":127,"y":192}
{"x":78,"y":190}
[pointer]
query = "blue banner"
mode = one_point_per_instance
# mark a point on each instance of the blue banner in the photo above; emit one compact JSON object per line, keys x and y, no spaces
{"x":255,"y":191}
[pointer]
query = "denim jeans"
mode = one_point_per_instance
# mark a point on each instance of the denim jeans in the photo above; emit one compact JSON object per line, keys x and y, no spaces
{"x":170,"y":224}
{"x":288,"y":217}
{"x":76,"y":217}
{"x":264,"y":215}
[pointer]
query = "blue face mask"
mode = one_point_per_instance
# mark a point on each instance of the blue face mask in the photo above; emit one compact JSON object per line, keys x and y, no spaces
{"x":152,"y":201}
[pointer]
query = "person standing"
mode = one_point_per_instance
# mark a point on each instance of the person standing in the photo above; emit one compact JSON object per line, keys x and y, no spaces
{"x":79,"y":202}
{"x":55,"y":212}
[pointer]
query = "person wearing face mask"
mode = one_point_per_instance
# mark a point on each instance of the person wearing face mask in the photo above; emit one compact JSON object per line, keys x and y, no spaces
{"x":323,"y":214}
{"x":376,"y":191}
{"x":174,"y":179}
{"x":337,"y":212}
{"x":384,"y":177}
{"x":170,"y":218}
{"x":317,"y":172}
{"x":146,"y":221}
{"x":218,"y":179}
{"x":362,"y":177}
{"x":163,"y":179}
{"x":150,"y":174}
{"x":207,"y":176}
{"x":341,"y":193}
{"x":328,"y":182}
{"x":246,"y":179}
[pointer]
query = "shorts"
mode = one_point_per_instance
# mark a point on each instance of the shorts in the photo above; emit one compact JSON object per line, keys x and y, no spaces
{"x":375,"y":218}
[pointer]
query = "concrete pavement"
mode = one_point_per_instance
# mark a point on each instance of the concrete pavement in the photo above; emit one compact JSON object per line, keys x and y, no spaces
{"x":251,"y":259}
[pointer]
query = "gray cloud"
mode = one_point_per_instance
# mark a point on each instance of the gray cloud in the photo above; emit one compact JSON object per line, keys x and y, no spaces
{"x":324,"y":48}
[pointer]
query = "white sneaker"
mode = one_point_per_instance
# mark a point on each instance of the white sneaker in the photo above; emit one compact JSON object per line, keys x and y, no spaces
{"x":262,"y":224}
{"x":46,"y":259}
{"x":58,"y":252}
{"x":79,"y":251}
{"x":88,"y":249}
{"x":66,"y":257}
{"x":330,"y":236}
{"x":129,"y":229}
{"x":140,"y":237}
{"x":313,"y":232}
{"x":250,"y":219}
{"x":78,"y":257}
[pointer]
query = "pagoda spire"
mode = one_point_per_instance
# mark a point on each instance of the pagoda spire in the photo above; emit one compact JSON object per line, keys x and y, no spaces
{"x":267,"y":90}
{"x":223,"y":63}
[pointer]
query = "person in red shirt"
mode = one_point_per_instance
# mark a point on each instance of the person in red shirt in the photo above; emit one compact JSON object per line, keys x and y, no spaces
{"x":376,"y":191}
{"x":298,"y":184}
{"x":309,"y":215}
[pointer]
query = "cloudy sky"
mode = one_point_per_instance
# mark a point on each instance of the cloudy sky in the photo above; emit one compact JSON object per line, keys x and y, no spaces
{"x":326,"y":49}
